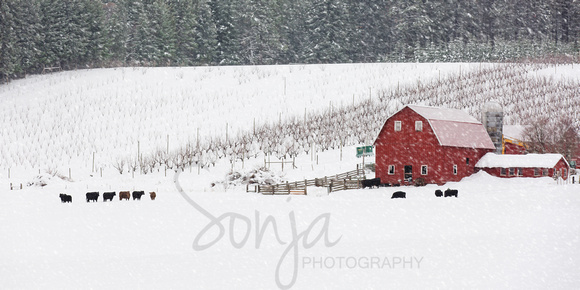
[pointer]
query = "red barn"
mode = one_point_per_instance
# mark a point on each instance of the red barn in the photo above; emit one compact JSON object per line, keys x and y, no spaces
{"x":529,"y":165}
{"x":435,"y":144}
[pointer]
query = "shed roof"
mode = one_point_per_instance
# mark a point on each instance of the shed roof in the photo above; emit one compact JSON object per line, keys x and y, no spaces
{"x":492,"y":160}
{"x":454,"y":127}
{"x":514,"y":132}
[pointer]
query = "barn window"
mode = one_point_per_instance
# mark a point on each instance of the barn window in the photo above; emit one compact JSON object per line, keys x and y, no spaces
{"x":520,"y":171}
{"x":391,"y":169}
{"x":545,"y":172}
{"x":455,"y":169}
{"x":398,"y":125}
{"x":502,"y":171}
{"x":418,"y":126}
{"x":512,"y":171}
{"x":467,"y":161}
{"x":536,"y":171}
{"x":423,"y":169}
{"x":563,"y":171}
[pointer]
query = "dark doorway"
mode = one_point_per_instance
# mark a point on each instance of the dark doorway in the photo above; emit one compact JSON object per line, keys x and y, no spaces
{"x":408,"y":173}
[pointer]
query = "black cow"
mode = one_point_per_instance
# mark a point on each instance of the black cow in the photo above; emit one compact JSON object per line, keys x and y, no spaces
{"x":108,"y":195}
{"x":451,"y":192}
{"x":138,"y":195}
{"x":65,"y":197}
{"x":399,"y":194}
{"x":438,"y":193}
{"x":92,"y":196}
{"x":370,"y":182}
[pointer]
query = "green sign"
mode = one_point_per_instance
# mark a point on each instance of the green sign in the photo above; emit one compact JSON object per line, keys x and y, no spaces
{"x":364,"y":151}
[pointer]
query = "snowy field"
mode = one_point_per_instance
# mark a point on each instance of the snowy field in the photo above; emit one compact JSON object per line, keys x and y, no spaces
{"x":516,"y":233}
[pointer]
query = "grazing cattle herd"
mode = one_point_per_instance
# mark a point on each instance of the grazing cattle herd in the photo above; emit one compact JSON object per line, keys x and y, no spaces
{"x":370,"y":183}
{"x":94,"y":196}
{"x":376,"y":182}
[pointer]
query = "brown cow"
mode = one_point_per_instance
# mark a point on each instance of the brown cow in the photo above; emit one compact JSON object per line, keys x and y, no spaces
{"x":152,"y":195}
{"x":124,"y":195}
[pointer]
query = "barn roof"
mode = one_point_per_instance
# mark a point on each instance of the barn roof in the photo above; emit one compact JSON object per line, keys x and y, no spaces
{"x":492,"y":160}
{"x":455,"y":128}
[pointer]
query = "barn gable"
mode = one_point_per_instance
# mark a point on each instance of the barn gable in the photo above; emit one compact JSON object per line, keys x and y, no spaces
{"x":453,"y":127}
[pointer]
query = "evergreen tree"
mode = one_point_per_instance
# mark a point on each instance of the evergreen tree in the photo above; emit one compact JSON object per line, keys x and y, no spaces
{"x":368,"y":30}
{"x":411,"y":21}
{"x":8,"y":43}
{"x":327,"y":38}
{"x":260,"y":36}
{"x":205,"y":34}
{"x":96,"y":49}
{"x":116,"y":32}
{"x":52,"y":42}
{"x":294,"y":33}
{"x":225,"y":14}
{"x":185,"y":25}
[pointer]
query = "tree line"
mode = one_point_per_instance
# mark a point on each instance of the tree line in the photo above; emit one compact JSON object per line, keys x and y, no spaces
{"x":73,"y":34}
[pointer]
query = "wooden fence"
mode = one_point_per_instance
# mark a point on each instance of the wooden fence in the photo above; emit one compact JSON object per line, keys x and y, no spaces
{"x":336,"y":182}
{"x":344,"y":184}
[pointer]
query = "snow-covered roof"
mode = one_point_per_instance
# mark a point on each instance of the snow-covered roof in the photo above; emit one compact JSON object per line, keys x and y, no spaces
{"x":455,"y":128}
{"x":514,"y":132}
{"x":491,"y":160}
{"x":443,"y":114}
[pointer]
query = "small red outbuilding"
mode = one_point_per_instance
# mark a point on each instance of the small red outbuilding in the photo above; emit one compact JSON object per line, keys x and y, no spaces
{"x":435,"y":144}
{"x":529,"y":165}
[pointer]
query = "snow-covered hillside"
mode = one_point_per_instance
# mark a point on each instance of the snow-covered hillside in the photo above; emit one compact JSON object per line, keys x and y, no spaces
{"x":203,"y":232}
{"x":56,"y":119}
{"x":90,"y":118}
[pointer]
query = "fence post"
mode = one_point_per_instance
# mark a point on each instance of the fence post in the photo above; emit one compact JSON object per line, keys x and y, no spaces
{"x":10,"y":185}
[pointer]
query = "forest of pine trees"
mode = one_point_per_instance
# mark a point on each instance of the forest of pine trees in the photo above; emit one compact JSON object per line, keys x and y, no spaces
{"x":75,"y":34}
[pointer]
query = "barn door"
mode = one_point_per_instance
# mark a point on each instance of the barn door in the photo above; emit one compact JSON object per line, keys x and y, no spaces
{"x":408,"y":173}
